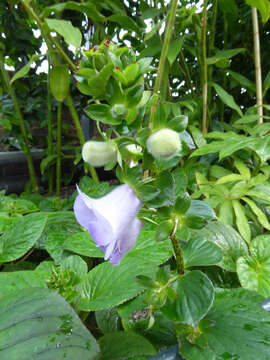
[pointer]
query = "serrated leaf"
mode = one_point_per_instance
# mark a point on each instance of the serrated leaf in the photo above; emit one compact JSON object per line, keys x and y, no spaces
{"x":258,"y":212}
{"x":82,"y":244}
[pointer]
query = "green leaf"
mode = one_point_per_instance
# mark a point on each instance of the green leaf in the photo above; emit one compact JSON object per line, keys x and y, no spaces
{"x":247,"y":119}
{"x":47,"y":162}
{"x":108,"y":320}
{"x":17,"y":280}
{"x":224,"y":54}
{"x":226,"y":213}
{"x":243,"y":81}
{"x":131,"y":73}
{"x":174,"y":48}
{"x":125,"y":22}
{"x":58,"y":331}
{"x":239,"y":328}
{"x":125,"y":345}
{"x":201,"y":252}
{"x":241,"y":220}
{"x":195,"y":298}
{"x":71,"y":35}
{"x":262,"y":6}
{"x":266,"y":83}
{"x":97,"y":84}
{"x":229,"y":178}
{"x":178,"y":123}
{"x":182,"y":203}
{"x":59,"y":82}
{"x":242,"y":168}
{"x":107,"y":285}
{"x":230,"y":242}
{"x":227,"y":98}
{"x":228,"y":7}
{"x":25,"y":69}
{"x":134,"y":95}
{"x":21,"y":236}
{"x":258,"y":212}
{"x":201,"y":209}
{"x":88,"y":8}
{"x":254,"y":271}
{"x":54,"y":245}
{"x":82,"y":244}
{"x":101,"y":112}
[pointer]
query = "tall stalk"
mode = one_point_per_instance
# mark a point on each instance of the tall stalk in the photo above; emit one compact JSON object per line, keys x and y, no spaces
{"x":164,"y":51}
{"x":19,"y":115}
{"x":212,"y":45}
{"x":80,"y":134}
{"x":204,"y":67}
{"x":58,"y":148}
{"x":50,"y":139}
{"x":258,"y":71}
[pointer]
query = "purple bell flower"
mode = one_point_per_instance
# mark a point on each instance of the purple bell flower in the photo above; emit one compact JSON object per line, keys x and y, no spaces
{"x":110,"y":220}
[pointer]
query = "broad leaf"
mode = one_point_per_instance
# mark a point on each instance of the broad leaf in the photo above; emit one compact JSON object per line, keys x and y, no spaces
{"x":82,"y":244}
{"x":21,"y":236}
{"x":227,"y":98}
{"x":262,"y":6}
{"x":230,"y":242}
{"x":38,"y":324}
{"x":200,"y":252}
{"x":194,"y":300}
{"x":238,"y":328}
{"x":254,"y":271}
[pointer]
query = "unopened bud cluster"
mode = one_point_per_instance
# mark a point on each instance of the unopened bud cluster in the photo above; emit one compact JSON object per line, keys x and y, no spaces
{"x":99,"y":153}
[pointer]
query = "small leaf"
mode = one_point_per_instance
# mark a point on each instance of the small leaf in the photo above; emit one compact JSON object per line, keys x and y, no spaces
{"x":131,"y":73}
{"x":258,"y":212}
{"x":25,"y":69}
{"x":241,"y":220}
{"x":102,"y":112}
{"x":174,"y":49}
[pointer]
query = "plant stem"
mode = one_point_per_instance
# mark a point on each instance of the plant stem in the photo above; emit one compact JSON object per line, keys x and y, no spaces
{"x":177,"y":250}
{"x":19,"y":115}
{"x":49,"y":120}
{"x":80,"y":134}
{"x":225,"y":43}
{"x":212,"y":44}
{"x":258,"y":71}
{"x":164,"y":51}
{"x":204,"y":67}
{"x":58,"y":148}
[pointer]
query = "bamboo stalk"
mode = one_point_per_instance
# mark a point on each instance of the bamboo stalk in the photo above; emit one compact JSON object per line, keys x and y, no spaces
{"x":58,"y":148}
{"x":258,"y":71}
{"x":212,"y":45}
{"x":50,"y":140}
{"x":19,"y":115}
{"x":204,"y":67}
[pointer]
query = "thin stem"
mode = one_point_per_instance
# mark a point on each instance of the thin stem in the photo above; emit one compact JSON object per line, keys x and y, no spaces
{"x":58,"y":148}
{"x":204,"y":67}
{"x":164,"y":51}
{"x":185,"y":70}
{"x":80,"y":134}
{"x":212,"y":44}
{"x":49,"y":120}
{"x":177,"y":250}
{"x":19,"y":115}
{"x":225,"y":42}
{"x":258,"y":71}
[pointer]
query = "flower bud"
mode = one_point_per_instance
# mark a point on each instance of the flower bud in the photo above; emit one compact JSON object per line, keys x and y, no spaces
{"x":99,"y":153}
{"x":164,"y":144}
{"x":119,"y":110}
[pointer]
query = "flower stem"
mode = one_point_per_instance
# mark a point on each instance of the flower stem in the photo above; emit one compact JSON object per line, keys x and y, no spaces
{"x":258,"y":71}
{"x":19,"y":115}
{"x":177,"y":251}
{"x":58,"y":148}
{"x":80,"y":134}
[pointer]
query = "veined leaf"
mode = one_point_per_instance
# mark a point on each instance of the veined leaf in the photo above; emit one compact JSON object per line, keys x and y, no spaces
{"x":258,"y":212}
{"x":227,"y":98}
{"x":228,"y":178}
{"x":241,"y":220}
{"x":65,"y":28}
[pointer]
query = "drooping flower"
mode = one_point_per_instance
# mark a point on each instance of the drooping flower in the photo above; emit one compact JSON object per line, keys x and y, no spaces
{"x":110,"y":220}
{"x":164,"y":144}
{"x":99,"y":153}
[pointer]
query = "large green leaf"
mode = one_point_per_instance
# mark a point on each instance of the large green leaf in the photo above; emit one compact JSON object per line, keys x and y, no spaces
{"x":230,"y":242}
{"x":65,"y":28}
{"x":227,"y":98}
{"x":125,"y":22}
{"x":239,"y":328}
{"x":17,"y":280}
{"x":224,"y":54}
{"x":194,"y":300}
{"x":38,"y":324}
{"x":21,"y":236}
{"x":201,"y":252}
{"x":106,"y":285}
{"x":254,"y":271}
{"x":82,"y":244}
{"x":124,"y":345}
{"x":262,"y":6}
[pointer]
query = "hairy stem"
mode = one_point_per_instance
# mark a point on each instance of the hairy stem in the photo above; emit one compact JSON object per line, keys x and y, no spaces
{"x":177,"y":251}
{"x":258,"y":71}
{"x":19,"y":115}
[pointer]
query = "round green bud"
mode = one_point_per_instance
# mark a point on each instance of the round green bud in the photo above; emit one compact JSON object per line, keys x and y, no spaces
{"x":119,"y":110}
{"x":98,"y":153}
{"x":164,"y":144}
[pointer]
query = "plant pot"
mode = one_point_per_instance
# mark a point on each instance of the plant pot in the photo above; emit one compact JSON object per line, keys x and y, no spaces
{"x":14,"y":170}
